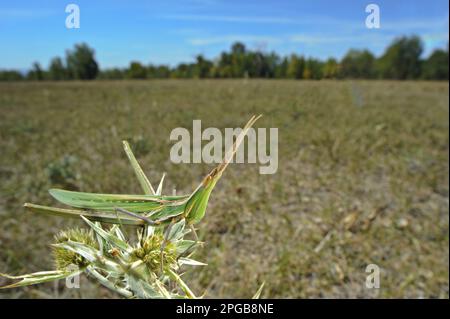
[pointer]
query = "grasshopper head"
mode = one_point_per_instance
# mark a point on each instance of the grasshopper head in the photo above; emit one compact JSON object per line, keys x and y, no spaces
{"x":198,"y":201}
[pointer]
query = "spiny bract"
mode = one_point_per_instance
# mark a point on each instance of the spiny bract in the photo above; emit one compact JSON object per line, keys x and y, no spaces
{"x":63,"y":257}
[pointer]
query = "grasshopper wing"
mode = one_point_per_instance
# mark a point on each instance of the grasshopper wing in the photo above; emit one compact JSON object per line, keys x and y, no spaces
{"x":108,"y":202}
{"x":96,"y":216}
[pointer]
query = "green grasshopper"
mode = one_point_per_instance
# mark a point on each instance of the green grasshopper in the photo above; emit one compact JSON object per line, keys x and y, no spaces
{"x":151,"y":208}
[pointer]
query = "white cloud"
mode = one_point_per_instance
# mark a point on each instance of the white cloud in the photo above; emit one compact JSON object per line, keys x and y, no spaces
{"x":233,"y":38}
{"x":24,"y":14}
{"x":407,"y":26}
{"x":319,"y":39}
{"x":306,"y":39}
{"x":245,"y":19}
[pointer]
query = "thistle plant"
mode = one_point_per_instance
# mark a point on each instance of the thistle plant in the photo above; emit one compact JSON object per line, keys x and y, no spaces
{"x":152,"y":266}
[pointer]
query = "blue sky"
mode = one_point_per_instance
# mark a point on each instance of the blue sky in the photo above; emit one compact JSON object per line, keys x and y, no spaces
{"x":171,"y":31}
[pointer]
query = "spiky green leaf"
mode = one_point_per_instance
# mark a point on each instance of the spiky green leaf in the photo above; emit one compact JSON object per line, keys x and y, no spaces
{"x":142,"y":178}
{"x":108,"y":236}
{"x":39,"y":277}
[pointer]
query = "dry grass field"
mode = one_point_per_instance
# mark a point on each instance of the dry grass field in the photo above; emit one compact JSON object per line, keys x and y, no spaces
{"x":363,"y":178}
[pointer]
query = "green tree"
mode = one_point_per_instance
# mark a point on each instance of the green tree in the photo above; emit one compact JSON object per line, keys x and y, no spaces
{"x":202,"y":67}
{"x":358,"y":64}
{"x":136,"y":71}
{"x":112,"y":74}
{"x":163,"y":71}
{"x":281,"y":69}
{"x":238,"y":60}
{"x":330,"y":69}
{"x":224,"y":67}
{"x":56,"y":70}
{"x":436,"y":66}
{"x":81,"y":63}
{"x":313,"y":69}
{"x":272,"y":61}
{"x":158,"y":72}
{"x":36,"y":73}
{"x":401,"y":59}
{"x":296,"y":67}
{"x":10,"y":75}
{"x":183,"y":71}
{"x":257,"y":65}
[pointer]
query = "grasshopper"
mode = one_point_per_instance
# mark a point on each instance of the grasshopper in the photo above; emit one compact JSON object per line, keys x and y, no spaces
{"x":151,"y":208}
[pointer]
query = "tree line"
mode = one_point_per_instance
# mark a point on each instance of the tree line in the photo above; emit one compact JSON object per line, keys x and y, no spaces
{"x":401,"y":61}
